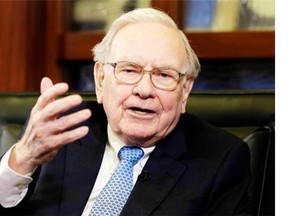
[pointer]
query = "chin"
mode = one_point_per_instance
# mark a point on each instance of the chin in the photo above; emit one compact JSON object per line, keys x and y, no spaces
{"x":142,"y":138}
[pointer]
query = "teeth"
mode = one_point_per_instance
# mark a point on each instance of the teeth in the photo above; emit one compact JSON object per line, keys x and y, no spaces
{"x":138,"y":110}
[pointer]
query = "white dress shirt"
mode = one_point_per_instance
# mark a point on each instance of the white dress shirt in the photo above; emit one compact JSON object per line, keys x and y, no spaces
{"x":109,"y":164}
{"x":13,"y":186}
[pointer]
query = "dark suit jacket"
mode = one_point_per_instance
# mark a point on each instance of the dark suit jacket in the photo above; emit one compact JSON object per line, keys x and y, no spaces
{"x":196,"y":170}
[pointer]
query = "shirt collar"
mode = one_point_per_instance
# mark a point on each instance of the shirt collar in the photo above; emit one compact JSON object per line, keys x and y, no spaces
{"x":116,"y":144}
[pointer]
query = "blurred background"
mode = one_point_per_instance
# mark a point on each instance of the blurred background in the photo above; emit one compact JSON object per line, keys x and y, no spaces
{"x":234,"y":40}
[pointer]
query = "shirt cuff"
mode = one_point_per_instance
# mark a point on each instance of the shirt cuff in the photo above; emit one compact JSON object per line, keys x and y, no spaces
{"x":13,"y":186}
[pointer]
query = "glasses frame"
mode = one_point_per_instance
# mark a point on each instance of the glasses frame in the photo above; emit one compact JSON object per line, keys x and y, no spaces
{"x":143,"y":71}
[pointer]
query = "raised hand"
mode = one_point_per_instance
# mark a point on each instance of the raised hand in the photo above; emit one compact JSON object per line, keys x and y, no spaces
{"x":46,"y":132}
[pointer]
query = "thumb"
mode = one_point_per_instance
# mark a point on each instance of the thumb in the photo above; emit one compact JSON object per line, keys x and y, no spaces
{"x":46,"y":83}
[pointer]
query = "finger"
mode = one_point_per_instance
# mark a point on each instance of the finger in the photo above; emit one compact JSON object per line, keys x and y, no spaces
{"x":70,"y":136}
{"x":69,"y":121}
{"x":51,"y":94}
{"x":56,"y":141}
{"x":46,"y":83}
{"x":37,"y":116}
{"x":44,"y":123}
{"x":26,"y":164}
{"x":53,"y":110}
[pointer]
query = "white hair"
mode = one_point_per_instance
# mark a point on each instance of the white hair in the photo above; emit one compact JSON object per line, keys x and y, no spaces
{"x":101,"y":50}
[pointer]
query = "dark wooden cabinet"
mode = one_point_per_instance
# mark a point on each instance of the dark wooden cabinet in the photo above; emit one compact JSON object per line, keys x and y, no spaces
{"x":207,"y":45}
{"x":22,"y":45}
{"x":42,"y":29}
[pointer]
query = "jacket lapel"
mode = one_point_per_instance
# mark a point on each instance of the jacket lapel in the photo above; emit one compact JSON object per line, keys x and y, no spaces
{"x":164,"y":171}
{"x":80,"y":173}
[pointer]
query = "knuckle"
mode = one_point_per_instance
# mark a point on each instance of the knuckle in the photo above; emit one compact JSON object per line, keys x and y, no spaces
{"x":49,"y":112}
{"x":61,"y":124}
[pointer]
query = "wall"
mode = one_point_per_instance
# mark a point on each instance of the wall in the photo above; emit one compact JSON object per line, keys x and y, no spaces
{"x":22,"y":50}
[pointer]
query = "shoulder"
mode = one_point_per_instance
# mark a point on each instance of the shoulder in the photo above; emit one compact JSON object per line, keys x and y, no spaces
{"x":206,"y":140}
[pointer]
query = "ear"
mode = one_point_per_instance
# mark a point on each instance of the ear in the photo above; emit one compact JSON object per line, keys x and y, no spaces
{"x":186,"y":91}
{"x":98,"y":79}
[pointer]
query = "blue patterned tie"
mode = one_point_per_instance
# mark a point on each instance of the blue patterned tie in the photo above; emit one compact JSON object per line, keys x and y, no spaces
{"x":114,"y":195}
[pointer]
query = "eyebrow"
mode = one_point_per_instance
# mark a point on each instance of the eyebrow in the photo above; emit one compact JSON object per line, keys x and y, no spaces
{"x":156,"y":66}
{"x":168,"y":66}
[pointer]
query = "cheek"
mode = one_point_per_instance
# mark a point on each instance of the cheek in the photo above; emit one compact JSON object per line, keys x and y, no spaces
{"x":113,"y":97}
{"x":172,"y":109}
{"x":111,"y":91}
{"x":112,"y":107}
{"x":172,"y":104}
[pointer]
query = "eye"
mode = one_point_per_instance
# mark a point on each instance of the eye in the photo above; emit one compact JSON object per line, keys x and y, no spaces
{"x":129,"y":69}
{"x":165,"y":74}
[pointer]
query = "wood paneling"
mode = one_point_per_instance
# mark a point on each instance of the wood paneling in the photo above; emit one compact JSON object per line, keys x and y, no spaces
{"x":34,"y":39}
{"x":21,"y":44}
{"x":207,"y":45}
{"x":53,"y":29}
{"x":233,"y":45}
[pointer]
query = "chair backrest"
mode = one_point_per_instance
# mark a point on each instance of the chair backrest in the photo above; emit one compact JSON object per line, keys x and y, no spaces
{"x":262,"y":150}
{"x":247,"y":114}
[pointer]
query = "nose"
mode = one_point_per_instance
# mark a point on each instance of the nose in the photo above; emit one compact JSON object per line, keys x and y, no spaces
{"x":144,"y":88}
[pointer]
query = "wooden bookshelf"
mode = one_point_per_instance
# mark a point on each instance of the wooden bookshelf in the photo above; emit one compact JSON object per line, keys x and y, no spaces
{"x":39,"y":41}
{"x":207,"y":45}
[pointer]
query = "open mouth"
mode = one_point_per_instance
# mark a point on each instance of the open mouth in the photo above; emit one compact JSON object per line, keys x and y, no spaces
{"x":142,"y":111}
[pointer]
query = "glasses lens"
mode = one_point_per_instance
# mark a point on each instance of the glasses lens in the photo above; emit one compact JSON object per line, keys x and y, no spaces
{"x":165,"y":78}
{"x":162,"y":78}
{"x":128,"y":72}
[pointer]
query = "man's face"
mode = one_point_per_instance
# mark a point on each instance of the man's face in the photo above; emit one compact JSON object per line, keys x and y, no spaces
{"x":141,"y":114}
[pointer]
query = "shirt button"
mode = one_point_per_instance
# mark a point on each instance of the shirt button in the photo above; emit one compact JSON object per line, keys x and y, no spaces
{"x":20,"y":187}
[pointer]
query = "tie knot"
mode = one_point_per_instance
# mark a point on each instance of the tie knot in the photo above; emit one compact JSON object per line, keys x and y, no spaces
{"x":130,"y":154}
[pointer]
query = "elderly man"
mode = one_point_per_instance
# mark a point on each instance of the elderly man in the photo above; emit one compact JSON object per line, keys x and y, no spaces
{"x":69,"y":158}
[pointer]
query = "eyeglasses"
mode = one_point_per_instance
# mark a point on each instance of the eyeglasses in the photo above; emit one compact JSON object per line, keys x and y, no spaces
{"x":163,"y":78}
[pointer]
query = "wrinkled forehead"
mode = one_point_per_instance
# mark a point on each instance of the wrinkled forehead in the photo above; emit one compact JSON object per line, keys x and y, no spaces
{"x":148,"y":42}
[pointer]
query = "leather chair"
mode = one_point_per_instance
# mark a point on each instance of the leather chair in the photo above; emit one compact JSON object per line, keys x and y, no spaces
{"x":247,"y":114}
